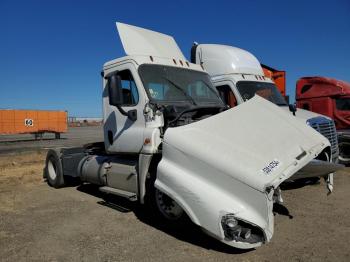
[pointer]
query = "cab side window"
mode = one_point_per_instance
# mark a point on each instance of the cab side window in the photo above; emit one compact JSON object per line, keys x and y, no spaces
{"x":227,"y":95}
{"x":129,"y":89}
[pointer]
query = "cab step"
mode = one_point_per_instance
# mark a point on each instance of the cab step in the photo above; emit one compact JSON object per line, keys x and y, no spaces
{"x":118,"y":192}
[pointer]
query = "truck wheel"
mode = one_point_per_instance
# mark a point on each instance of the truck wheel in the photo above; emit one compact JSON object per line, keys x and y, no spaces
{"x":163,"y":207}
{"x":57,"y":135}
{"x":344,"y":151}
{"x":53,"y":169}
{"x":168,"y":208}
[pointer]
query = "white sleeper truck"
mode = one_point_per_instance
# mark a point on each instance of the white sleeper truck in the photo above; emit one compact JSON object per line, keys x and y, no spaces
{"x":172,"y":144}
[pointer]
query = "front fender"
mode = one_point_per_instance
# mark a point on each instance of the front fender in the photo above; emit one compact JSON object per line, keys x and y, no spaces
{"x":206,"y":195}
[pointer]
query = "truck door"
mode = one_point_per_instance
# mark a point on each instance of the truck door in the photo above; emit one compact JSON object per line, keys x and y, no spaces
{"x":121,"y":134}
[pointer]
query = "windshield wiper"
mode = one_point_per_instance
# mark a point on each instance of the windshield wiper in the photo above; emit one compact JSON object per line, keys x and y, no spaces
{"x":183,"y":91}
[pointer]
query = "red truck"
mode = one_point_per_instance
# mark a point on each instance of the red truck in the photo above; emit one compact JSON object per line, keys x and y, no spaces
{"x":330,"y":97}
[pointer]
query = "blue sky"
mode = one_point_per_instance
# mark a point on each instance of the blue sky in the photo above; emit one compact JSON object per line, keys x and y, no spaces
{"x":52,"y":52}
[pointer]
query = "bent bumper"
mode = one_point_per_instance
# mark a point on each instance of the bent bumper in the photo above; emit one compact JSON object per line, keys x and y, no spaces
{"x":316,"y":168}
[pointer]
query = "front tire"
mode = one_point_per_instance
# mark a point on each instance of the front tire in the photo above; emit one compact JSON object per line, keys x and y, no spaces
{"x":162,"y":207}
{"x":344,"y":150}
{"x":167,"y":207}
{"x":53,"y":169}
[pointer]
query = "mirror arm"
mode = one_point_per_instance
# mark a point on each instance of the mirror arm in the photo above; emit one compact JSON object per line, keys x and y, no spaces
{"x":122,"y":111}
{"x":132,"y":114}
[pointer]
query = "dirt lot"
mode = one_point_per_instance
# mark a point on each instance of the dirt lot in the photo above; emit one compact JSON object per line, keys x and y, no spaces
{"x":75,"y":224}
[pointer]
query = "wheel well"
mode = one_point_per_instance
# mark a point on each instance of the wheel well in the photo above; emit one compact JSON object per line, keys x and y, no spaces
{"x":152,"y":170}
{"x":151,"y":178}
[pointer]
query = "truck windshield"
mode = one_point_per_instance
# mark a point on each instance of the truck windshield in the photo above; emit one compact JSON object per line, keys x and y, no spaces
{"x":343,"y":104}
{"x":172,"y":84}
{"x":269,"y":91}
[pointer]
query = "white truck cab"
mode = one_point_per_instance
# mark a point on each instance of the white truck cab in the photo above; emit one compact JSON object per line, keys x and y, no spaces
{"x":238,"y":77}
{"x":170,"y":143}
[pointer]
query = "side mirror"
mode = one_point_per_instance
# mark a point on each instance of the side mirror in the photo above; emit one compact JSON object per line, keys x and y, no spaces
{"x":292,"y":108}
{"x":115,"y":93}
{"x":115,"y":90}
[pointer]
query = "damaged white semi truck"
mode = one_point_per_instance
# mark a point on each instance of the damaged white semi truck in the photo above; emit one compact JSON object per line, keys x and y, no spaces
{"x":170,"y":142}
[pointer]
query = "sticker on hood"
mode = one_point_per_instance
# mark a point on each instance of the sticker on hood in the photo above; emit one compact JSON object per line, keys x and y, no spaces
{"x":272,"y":166}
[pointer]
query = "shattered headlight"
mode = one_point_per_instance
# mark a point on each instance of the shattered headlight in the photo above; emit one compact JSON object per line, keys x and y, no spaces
{"x":237,"y":230}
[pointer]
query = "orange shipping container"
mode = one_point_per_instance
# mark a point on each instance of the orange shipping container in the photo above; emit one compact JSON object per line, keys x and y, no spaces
{"x":278,"y":76}
{"x":32,"y":121}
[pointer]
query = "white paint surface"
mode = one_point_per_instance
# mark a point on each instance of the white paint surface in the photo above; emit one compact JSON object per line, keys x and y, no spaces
{"x":140,"y":41}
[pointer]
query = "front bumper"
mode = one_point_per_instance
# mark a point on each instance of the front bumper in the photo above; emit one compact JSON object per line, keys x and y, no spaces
{"x":316,"y":168}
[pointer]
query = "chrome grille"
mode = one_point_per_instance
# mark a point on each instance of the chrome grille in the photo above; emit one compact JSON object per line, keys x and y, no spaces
{"x":327,"y":129}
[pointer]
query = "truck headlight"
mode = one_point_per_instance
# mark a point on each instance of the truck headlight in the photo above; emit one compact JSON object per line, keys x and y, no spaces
{"x":237,"y":230}
{"x":231,"y":222}
{"x":230,"y":226}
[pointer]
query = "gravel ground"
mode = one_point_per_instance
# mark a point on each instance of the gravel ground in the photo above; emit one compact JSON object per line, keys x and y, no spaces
{"x":39,"y":223}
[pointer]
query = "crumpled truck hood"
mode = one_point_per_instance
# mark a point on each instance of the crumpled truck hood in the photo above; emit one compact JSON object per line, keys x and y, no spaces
{"x":230,"y":162}
{"x":256,"y":143}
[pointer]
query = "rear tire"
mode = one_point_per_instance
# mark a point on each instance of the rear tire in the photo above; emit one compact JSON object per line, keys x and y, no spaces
{"x":53,"y":169}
